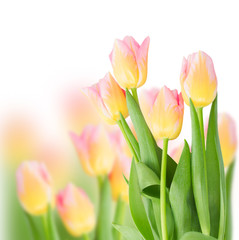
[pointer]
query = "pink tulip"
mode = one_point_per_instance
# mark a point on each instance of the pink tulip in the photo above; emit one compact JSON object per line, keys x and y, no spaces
{"x":129,"y":61}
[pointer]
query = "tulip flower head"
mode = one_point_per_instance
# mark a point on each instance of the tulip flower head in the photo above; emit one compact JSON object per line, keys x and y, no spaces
{"x":34,"y":187}
{"x":95,"y":150}
{"x":118,"y":184}
{"x":146,"y":100}
{"x":108,"y":98}
{"x":129,"y":61}
{"x":166,"y":116}
{"x":228,"y":137}
{"x":75,"y":210}
{"x":198,"y":79}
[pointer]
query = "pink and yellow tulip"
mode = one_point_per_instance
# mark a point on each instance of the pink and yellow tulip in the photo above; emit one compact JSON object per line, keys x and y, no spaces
{"x":228,"y":137}
{"x":108,"y":98}
{"x":95,"y":150}
{"x":75,"y":210}
{"x":129,"y":61}
{"x":198,"y":79}
{"x":166,"y":116}
{"x":34,"y":187}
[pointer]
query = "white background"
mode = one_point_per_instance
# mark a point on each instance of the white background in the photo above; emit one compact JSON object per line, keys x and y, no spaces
{"x":46,"y":46}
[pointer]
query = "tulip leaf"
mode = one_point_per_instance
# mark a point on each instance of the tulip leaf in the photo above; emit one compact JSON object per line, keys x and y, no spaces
{"x":130,"y":135}
{"x":148,"y":181}
{"x":129,"y":233}
{"x":229,"y":177}
{"x":198,"y":174}
{"x":147,"y":144}
{"x":34,"y":231}
{"x":213,"y":176}
{"x":216,"y":150}
{"x":136,"y":205}
{"x":196,"y":236}
{"x":171,"y":167}
{"x":181,"y":194}
{"x":103,"y":229}
{"x":52,"y":226}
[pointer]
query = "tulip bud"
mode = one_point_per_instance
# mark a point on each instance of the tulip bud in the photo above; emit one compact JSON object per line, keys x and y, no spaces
{"x":95,"y":150}
{"x":108,"y":98}
{"x":75,"y":210}
{"x":146,"y":100}
{"x":228,"y":137}
{"x":129,"y":61}
{"x":34,"y":187}
{"x":198,"y":79}
{"x":166,"y":116}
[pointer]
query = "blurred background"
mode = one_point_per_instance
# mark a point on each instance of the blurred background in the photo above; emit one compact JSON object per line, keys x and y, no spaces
{"x":50,"y":49}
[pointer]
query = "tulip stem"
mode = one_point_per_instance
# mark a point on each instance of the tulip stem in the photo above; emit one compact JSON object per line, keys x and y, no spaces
{"x":128,"y":141}
{"x":163,"y":190}
{"x":119,"y":217}
{"x":46,"y":226}
{"x":86,"y":237}
{"x":135,"y":95}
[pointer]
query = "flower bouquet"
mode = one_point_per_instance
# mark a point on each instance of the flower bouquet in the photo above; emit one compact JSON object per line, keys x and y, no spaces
{"x":169,"y":197}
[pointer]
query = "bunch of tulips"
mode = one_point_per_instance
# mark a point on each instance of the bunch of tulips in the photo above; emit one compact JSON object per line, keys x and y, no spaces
{"x":184,"y":195}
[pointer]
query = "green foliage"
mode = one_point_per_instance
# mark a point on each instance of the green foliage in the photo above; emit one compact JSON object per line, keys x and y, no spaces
{"x":196,"y":236}
{"x":129,"y":233}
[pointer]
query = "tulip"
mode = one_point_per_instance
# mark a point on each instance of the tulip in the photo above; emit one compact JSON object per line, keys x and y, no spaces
{"x":75,"y":210}
{"x":94,"y":150}
{"x":129,"y":61}
{"x":176,"y":152}
{"x":34,"y":187}
{"x":228,"y":137}
{"x":166,"y":116}
{"x":146,"y":100}
{"x":108,"y":98}
{"x":198,"y":79}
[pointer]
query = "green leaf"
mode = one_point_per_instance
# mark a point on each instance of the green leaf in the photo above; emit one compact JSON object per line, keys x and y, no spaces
{"x":213,"y":128}
{"x":229,"y":178}
{"x":198,"y":174}
{"x":181,"y":195}
{"x":33,"y":227}
{"x":148,"y":181}
{"x":147,"y":144}
{"x":213,"y":176}
{"x":196,"y":236}
{"x":129,"y":233}
{"x":136,"y":205}
{"x":103,"y":229}
{"x":52,"y":226}
{"x":171,"y":167}
{"x":130,"y":135}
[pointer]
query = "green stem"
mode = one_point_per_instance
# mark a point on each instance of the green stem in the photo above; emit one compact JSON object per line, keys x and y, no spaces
{"x":128,"y":141}
{"x":119,"y":217}
{"x":163,"y":190}
{"x":86,"y":237}
{"x":34,"y":231}
{"x":46,"y":226}
{"x":135,"y":95}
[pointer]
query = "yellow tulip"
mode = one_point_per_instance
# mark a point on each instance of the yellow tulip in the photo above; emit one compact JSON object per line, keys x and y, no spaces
{"x":166,"y":116}
{"x":95,"y":150}
{"x":129,"y":61}
{"x":108,"y":98}
{"x":34,"y":187}
{"x":198,"y":79}
{"x":228,"y":137}
{"x":75,"y":210}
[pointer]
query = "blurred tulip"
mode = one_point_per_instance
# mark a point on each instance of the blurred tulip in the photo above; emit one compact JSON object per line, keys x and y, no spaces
{"x":166,"y":116}
{"x":228,"y":137}
{"x":118,"y":184}
{"x":129,"y":61}
{"x":198,"y":79}
{"x":34,"y":187}
{"x":146,"y":100}
{"x":176,"y":152}
{"x":75,"y":210}
{"x":95,"y":150}
{"x":108,"y":98}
